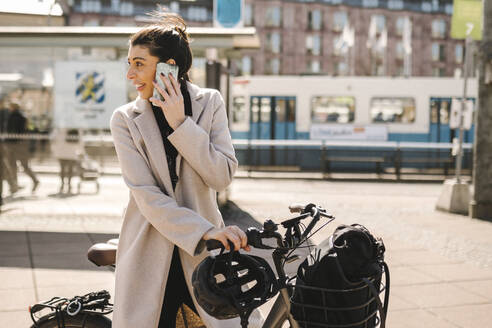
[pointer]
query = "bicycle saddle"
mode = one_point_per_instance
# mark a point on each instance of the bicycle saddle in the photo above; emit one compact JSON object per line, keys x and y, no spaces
{"x":103,"y":254}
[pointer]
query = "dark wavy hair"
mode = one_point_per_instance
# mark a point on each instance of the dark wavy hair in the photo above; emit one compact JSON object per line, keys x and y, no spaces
{"x":166,"y":39}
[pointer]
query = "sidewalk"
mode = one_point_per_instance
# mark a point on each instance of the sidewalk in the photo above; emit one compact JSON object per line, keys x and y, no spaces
{"x":440,"y":264}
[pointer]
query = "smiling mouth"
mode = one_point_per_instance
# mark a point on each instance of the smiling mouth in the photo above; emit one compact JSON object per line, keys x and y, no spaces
{"x":140,"y":86}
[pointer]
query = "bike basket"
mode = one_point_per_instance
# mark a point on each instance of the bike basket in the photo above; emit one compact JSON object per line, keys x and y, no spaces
{"x":359,"y":306}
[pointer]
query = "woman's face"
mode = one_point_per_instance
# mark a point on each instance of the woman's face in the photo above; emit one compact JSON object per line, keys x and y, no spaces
{"x":141,"y":70}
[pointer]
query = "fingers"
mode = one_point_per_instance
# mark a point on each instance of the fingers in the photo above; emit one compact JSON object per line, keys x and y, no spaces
{"x":230,"y":233}
{"x":163,"y":92}
{"x":169,"y":86}
{"x":175,"y":83}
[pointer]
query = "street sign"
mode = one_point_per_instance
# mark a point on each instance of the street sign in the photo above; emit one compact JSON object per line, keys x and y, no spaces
{"x":467,"y":16}
{"x":454,"y":119}
{"x":228,"y":13}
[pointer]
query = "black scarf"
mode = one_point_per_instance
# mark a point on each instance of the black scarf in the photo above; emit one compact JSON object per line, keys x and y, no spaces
{"x":165,"y":129}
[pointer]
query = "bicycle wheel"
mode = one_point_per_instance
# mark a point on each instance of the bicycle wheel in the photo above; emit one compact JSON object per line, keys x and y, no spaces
{"x":78,"y":321}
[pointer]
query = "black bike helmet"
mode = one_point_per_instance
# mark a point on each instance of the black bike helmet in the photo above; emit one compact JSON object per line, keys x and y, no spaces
{"x":221,"y":284}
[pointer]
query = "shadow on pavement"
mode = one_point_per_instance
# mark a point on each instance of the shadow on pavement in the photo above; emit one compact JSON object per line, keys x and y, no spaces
{"x":49,"y":250}
{"x":234,"y":215}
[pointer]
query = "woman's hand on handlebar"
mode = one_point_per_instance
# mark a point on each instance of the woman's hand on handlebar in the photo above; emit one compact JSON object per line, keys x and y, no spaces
{"x":232,"y":233}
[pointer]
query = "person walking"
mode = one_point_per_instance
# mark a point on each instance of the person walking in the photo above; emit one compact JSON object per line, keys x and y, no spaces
{"x":18,"y":147}
{"x":68,"y":147}
{"x":174,"y":155}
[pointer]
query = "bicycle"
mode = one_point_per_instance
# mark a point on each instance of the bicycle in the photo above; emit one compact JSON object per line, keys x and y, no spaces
{"x":89,"y":310}
{"x":280,"y":314}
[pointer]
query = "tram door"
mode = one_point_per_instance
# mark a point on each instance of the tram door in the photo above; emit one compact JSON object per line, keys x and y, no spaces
{"x":439,"y":122}
{"x":273,"y":118}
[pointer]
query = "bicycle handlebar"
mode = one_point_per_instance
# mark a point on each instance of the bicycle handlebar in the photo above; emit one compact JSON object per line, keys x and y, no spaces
{"x":256,"y":236}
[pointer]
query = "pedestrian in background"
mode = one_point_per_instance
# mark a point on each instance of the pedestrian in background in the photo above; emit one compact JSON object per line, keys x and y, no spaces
{"x":174,"y":156}
{"x":68,"y":147}
{"x":18,"y":146}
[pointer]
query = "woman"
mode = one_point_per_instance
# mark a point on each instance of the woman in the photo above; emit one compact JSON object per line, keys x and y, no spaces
{"x":174,"y":155}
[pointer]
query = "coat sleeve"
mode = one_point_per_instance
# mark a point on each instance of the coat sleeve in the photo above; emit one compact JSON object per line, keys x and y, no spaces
{"x":212,"y":156}
{"x":180,"y":225}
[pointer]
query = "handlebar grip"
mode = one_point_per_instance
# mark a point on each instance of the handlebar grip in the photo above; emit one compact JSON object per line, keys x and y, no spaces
{"x":213,"y":244}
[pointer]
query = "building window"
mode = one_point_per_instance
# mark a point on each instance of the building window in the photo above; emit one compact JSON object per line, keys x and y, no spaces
{"x":400,"y":25}
{"x":273,"y":17}
{"x":313,"y":45}
{"x":274,"y":42}
{"x":340,"y":68}
{"x":399,"y":70}
{"x":332,"y":109}
{"x":380,"y":21}
{"x":458,"y":53}
{"x":392,"y":110}
{"x":340,"y":18}
{"x":438,"y":72}
{"x":439,"y":28}
{"x":272,"y":66}
{"x":314,"y":20}
{"x":399,"y":52}
{"x":90,"y":6}
{"x":395,"y":4}
{"x":438,"y":52}
{"x":249,"y":17}
{"x":313,"y":66}
{"x":244,"y":66}
{"x":126,"y":9}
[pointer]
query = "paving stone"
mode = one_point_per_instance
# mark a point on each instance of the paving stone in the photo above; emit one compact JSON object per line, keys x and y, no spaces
{"x":417,"y":319}
{"x":437,"y":295}
{"x":63,"y":277}
{"x":11,"y":278}
{"x":17,"y":299}
{"x":476,"y":316}
{"x":404,"y":276}
{"x":456,"y":272}
{"x":15,"y":318}
{"x":480,"y":287}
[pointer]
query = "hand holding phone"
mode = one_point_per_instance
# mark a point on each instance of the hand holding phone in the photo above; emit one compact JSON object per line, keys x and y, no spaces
{"x":165,"y":69}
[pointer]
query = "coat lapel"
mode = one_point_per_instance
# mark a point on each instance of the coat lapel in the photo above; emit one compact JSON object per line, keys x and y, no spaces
{"x":151,"y":135}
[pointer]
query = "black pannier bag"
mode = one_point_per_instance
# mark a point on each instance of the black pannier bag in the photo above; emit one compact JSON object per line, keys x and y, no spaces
{"x":340,"y":283}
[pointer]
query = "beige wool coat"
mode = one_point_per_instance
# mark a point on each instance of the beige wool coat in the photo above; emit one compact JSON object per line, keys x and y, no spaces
{"x":157,"y":218}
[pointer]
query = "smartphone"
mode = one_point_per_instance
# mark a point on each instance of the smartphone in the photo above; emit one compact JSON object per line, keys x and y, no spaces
{"x":164,"y":69}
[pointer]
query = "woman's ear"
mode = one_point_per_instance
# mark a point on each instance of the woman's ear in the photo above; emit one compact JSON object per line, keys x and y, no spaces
{"x":171,"y":61}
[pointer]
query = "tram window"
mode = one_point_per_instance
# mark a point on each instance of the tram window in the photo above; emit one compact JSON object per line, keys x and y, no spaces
{"x":285,"y":110}
{"x":392,"y":110}
{"x":255,"y":109}
{"x":335,"y":109}
{"x":265,"y":109}
{"x":444,"y":112}
{"x":238,"y":109}
{"x":434,"y":112}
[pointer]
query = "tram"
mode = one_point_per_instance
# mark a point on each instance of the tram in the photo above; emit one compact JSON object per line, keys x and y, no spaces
{"x":346,"y":108}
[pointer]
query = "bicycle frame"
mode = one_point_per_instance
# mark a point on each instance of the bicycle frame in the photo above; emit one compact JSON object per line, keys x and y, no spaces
{"x":280,"y":310}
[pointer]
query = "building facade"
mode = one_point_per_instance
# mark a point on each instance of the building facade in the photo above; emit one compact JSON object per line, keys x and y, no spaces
{"x":309,"y":36}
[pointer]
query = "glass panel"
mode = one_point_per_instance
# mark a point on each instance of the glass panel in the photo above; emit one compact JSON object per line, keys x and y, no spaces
{"x":248,"y":14}
{"x":291,"y":116}
{"x":255,"y":108}
{"x":392,"y":110}
{"x":458,"y":53}
{"x":265,"y":110}
{"x":280,"y":110}
{"x":273,"y":17}
{"x":314,"y":20}
{"x":434,"y":111}
{"x":238,"y":109}
{"x":444,"y":112}
{"x":340,"y":18}
{"x":332,"y":109}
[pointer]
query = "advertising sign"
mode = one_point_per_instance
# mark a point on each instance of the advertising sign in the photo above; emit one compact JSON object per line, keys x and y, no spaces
{"x":348,"y":132}
{"x":87,"y":93}
{"x":228,"y":13}
{"x":467,"y":16}
{"x":454,"y":119}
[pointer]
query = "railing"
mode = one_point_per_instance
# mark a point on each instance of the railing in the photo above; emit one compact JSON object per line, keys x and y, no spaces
{"x":349,"y":156}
